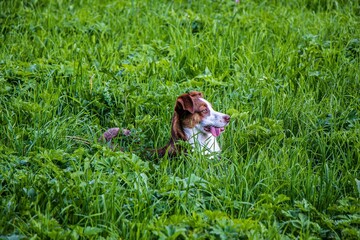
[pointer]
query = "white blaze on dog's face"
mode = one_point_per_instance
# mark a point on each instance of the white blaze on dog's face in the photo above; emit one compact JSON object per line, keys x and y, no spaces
{"x":212,"y":122}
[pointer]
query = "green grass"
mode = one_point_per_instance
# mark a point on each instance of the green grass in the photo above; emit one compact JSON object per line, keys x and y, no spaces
{"x":286,"y":71}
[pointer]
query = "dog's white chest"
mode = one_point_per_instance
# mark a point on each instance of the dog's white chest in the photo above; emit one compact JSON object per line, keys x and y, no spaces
{"x":206,"y":143}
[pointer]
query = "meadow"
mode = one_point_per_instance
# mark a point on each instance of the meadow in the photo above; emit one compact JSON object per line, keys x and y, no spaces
{"x":286,"y":71}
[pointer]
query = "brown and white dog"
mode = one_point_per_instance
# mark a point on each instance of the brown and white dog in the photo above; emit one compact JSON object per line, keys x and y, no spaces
{"x":195,"y":121}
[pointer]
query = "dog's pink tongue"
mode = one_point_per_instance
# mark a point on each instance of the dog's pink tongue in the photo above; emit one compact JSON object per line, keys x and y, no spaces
{"x":215,"y":131}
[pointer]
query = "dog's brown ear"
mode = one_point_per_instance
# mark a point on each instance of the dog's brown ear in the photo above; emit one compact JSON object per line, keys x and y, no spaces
{"x":185,"y":102}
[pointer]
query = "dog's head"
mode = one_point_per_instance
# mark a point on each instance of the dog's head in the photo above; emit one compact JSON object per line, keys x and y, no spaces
{"x":193,"y":111}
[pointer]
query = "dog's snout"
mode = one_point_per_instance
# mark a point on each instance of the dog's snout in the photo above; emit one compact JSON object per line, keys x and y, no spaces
{"x":226,"y":118}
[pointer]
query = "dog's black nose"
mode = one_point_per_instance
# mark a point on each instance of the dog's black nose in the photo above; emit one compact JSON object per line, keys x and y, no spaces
{"x":227,"y":118}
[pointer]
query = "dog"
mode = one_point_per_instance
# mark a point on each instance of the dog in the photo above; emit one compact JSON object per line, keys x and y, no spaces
{"x":196,"y":122}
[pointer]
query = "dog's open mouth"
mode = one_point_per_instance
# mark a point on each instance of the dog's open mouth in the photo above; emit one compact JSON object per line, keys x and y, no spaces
{"x":215,"y":131}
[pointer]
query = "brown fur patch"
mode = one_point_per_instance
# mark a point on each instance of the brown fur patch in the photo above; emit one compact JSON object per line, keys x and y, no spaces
{"x":191,"y":120}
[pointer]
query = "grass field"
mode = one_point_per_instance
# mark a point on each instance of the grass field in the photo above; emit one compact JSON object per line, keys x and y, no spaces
{"x":288,"y":72}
